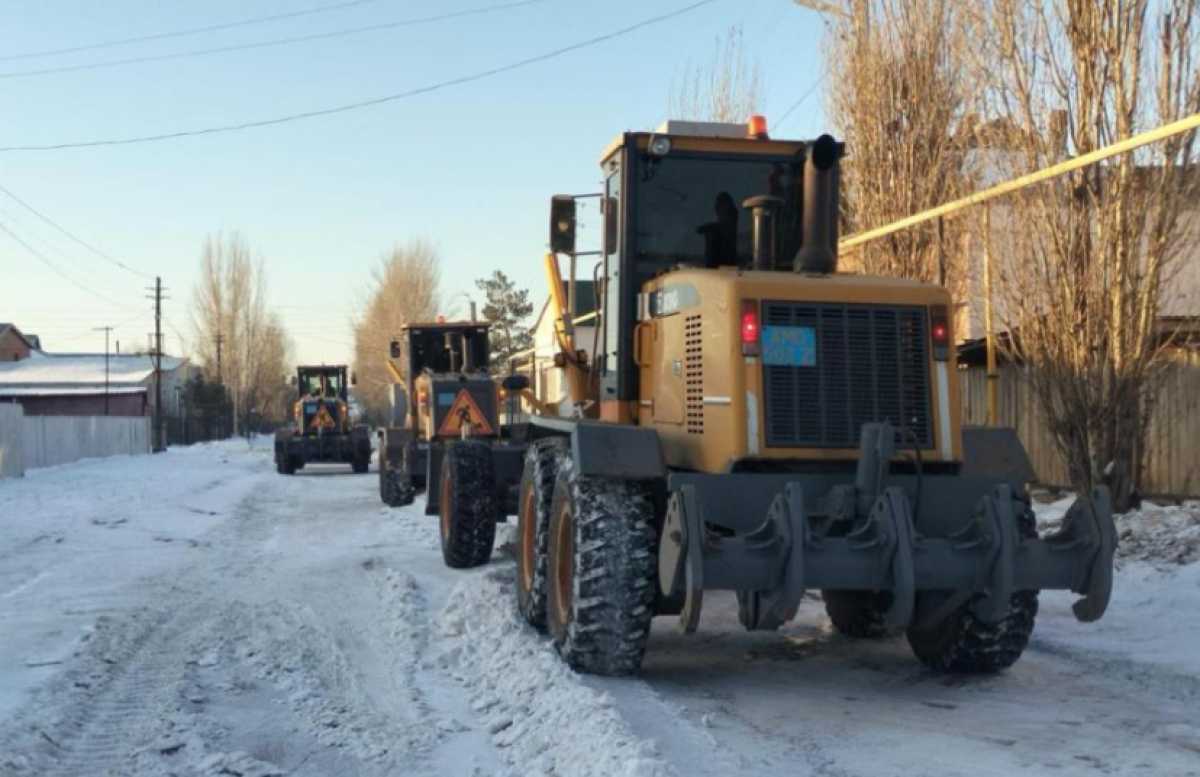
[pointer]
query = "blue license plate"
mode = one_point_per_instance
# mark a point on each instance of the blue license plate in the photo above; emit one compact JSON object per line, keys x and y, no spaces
{"x":789,"y":346}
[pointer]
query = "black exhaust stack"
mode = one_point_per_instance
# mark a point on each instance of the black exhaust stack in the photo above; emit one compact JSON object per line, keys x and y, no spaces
{"x":819,"y":224}
{"x":765,"y":210}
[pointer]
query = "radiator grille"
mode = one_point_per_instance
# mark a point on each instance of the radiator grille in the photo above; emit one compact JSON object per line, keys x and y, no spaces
{"x":871,"y":365}
{"x":693,"y":375}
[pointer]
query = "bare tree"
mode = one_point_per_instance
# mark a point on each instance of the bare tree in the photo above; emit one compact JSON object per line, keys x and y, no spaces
{"x":1088,"y":266}
{"x":903,"y":104}
{"x":726,"y":88}
{"x":403,"y":289}
{"x":229,"y":308}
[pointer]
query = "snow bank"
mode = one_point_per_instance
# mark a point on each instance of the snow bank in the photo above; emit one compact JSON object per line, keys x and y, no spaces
{"x":540,"y":715}
{"x":1157,"y":534}
{"x":1169,"y":534}
{"x":1156,"y":597}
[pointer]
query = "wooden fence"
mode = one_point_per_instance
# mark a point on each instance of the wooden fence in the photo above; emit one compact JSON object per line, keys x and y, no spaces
{"x":1173,"y":442}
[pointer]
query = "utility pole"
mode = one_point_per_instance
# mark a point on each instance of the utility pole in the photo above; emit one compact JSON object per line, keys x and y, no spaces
{"x":106,"y":330}
{"x":993,"y":375}
{"x":158,"y":446}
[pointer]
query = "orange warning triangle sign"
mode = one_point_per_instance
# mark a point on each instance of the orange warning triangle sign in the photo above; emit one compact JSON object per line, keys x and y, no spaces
{"x":463,"y":410}
{"x":322,"y":419}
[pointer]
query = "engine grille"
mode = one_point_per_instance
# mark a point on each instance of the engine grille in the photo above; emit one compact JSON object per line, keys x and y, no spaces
{"x":871,"y":365}
{"x":693,"y":373}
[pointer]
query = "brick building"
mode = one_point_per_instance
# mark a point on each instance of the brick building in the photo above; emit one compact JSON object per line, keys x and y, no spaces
{"x":14,"y":344}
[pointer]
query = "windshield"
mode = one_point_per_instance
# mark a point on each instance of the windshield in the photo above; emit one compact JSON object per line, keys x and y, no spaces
{"x":689,"y":208}
{"x":322,"y":384}
{"x":430,"y":352}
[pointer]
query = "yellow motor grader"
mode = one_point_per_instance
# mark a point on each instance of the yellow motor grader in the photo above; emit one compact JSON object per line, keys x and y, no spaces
{"x":752,"y":420}
{"x":321,"y":428}
{"x":446,"y":437}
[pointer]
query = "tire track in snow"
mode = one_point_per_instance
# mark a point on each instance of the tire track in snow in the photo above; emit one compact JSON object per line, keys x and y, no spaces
{"x":94,"y":714}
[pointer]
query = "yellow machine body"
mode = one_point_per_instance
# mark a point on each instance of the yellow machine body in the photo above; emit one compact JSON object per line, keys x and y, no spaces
{"x":705,"y":397}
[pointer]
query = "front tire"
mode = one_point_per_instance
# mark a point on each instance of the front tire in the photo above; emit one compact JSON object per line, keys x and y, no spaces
{"x":542,"y":461}
{"x":601,"y":572}
{"x":467,"y":506}
{"x":963,"y":644}
{"x":858,"y":614}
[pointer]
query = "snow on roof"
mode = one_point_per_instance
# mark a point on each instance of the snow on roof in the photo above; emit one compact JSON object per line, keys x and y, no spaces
{"x":67,"y":369}
{"x":51,"y":391}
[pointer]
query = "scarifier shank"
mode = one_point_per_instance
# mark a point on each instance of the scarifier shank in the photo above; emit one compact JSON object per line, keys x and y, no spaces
{"x":816,"y":534}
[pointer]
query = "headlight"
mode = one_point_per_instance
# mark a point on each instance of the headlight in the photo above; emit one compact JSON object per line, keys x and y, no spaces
{"x":660,"y":146}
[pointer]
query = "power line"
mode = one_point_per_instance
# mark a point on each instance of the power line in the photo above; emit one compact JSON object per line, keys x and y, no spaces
{"x":46,"y":261}
{"x":478,"y":76}
{"x":807,"y":93}
{"x":188,"y":31}
{"x":73,"y":237}
{"x":268,"y":43}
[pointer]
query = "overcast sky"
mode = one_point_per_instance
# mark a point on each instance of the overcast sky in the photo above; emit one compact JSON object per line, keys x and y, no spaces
{"x":468,"y":167}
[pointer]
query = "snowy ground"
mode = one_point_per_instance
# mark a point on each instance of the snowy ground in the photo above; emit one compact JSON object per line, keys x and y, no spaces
{"x":195,"y":613}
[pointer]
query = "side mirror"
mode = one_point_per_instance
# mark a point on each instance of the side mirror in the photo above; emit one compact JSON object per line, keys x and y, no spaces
{"x":514,"y":383}
{"x":562,"y":224}
{"x":394,"y":349}
{"x":353,"y":379}
{"x":611,"y":220}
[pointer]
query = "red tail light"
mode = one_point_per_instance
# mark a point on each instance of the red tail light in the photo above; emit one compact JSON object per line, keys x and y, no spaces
{"x":939,"y":332}
{"x":750,"y":328}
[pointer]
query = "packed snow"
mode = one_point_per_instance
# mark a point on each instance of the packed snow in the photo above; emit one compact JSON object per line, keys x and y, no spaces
{"x":195,"y":613}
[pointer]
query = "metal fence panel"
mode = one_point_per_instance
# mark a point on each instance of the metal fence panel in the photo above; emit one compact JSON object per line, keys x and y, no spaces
{"x":30,"y":442}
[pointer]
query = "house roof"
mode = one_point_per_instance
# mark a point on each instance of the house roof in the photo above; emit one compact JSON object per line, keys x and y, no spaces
{"x":1179,"y":331}
{"x":65,"y":370}
{"x":5,"y":326}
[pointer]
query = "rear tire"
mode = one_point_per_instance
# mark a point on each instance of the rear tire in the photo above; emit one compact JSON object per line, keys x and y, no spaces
{"x":858,"y":614}
{"x":542,"y":461}
{"x":393,"y":489}
{"x":284,"y":464}
{"x":602,"y":572}
{"x":963,"y":644}
{"x":467,"y":505}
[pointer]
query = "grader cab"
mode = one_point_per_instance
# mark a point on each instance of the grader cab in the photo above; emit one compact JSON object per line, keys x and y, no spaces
{"x":754,"y":421}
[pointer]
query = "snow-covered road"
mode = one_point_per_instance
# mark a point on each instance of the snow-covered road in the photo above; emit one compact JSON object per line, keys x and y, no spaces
{"x":195,"y":613}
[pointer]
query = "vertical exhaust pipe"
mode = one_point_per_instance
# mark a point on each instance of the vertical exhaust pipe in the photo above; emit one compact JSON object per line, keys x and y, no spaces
{"x":819,"y":221}
{"x":765,"y":210}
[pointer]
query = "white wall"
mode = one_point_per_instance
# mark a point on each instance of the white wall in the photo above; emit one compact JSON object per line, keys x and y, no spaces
{"x":12,"y":429}
{"x":29,"y":442}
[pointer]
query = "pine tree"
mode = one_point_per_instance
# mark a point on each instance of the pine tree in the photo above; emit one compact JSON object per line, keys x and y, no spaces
{"x":508,"y":309}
